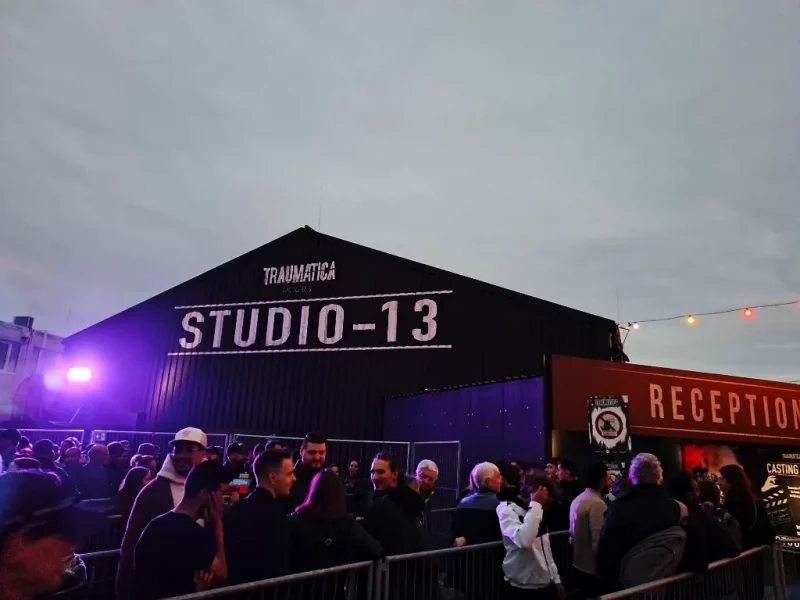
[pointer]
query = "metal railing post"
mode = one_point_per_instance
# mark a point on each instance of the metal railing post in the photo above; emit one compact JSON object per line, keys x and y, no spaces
{"x":779,"y":577}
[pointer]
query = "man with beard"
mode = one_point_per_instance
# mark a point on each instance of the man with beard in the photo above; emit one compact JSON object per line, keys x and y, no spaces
{"x":312,"y":459}
{"x":239,"y":474}
{"x":160,"y":496}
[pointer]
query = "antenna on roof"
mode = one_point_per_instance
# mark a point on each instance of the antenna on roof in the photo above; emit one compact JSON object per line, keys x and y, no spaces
{"x":319,"y":218}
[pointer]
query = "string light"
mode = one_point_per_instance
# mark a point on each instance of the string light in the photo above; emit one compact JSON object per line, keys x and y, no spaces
{"x":691,"y":319}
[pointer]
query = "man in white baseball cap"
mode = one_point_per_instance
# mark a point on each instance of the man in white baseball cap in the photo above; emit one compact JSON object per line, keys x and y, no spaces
{"x":161,"y":495}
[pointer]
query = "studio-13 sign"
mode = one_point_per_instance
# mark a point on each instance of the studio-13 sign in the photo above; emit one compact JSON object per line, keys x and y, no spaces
{"x":401,"y":321}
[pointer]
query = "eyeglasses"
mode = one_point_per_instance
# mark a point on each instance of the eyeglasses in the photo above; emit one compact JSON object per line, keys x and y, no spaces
{"x":185,"y":450}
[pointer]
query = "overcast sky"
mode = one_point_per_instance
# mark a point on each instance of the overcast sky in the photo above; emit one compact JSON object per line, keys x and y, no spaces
{"x":571,"y":150}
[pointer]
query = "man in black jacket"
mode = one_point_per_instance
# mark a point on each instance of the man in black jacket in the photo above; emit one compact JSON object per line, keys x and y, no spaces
{"x":44,"y":452}
{"x":240,"y":475}
{"x":569,"y":488}
{"x":395,"y":515}
{"x":312,"y":459}
{"x":9,"y":438}
{"x":645,"y":511}
{"x":256,"y":531}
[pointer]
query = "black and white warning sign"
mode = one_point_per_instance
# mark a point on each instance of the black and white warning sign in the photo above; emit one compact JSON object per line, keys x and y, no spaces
{"x":608,"y":424}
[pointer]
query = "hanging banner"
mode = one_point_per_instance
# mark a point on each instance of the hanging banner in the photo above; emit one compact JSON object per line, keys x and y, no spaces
{"x":608,"y":424}
{"x":781,"y":493}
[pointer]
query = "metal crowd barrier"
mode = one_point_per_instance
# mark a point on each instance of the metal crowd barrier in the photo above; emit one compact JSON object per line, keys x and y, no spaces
{"x":347,"y":582}
{"x":340,"y":452}
{"x":160,"y":438}
{"x":101,"y":570}
{"x":561,"y":548}
{"x":447,"y":456}
{"x":471,"y":573}
{"x":54,"y":435}
{"x":788,"y":565}
{"x":438,"y":524}
{"x":746,"y":577}
{"x":475,"y":573}
{"x":110,"y":538}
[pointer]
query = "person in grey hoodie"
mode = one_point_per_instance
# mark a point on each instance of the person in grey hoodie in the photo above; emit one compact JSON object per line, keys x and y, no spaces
{"x":158,"y":497}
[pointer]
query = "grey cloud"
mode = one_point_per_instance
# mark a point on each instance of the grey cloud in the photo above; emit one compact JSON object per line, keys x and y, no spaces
{"x":565,"y":150}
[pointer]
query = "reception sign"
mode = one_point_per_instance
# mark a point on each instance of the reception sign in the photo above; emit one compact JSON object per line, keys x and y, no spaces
{"x":668,"y":402}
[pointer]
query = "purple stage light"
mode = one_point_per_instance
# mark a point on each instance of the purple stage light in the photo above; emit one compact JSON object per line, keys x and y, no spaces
{"x":79,"y":374}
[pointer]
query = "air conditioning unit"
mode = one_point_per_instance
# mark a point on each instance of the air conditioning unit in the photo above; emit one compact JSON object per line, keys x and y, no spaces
{"x":24,"y":322}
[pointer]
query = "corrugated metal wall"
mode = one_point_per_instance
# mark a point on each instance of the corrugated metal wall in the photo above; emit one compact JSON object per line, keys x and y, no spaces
{"x":482,"y":333}
{"x":501,"y":421}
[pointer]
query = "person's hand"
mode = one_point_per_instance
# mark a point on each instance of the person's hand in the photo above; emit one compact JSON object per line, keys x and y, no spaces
{"x":540,"y":495}
{"x":235,"y":497}
{"x":203,"y":581}
{"x":215,"y":508}
{"x":562,"y":593}
{"x":460,"y":542}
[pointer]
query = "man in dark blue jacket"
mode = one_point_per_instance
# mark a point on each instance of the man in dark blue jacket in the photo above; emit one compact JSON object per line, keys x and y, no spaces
{"x":475,"y":520}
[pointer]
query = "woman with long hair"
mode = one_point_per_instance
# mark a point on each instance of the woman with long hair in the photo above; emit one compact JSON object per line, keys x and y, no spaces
{"x":149,"y":462}
{"x":134,"y":481}
{"x":746,"y":507}
{"x":323,"y":534}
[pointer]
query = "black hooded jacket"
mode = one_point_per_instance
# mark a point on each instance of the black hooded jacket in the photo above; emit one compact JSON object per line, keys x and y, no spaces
{"x":394,"y":519}
{"x":300,"y":487}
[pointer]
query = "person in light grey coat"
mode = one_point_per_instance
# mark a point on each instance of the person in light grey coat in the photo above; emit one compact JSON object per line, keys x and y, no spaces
{"x":586,"y":516}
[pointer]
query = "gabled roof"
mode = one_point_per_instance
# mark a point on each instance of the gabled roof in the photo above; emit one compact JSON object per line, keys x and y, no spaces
{"x":308,"y":236}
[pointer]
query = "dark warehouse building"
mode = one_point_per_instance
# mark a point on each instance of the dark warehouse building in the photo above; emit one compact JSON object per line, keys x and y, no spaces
{"x":313,"y":332}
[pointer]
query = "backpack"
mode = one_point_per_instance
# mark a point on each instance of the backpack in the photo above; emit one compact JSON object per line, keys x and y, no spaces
{"x":655,"y":557}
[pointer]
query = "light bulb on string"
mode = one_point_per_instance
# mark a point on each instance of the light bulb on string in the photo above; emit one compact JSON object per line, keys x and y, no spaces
{"x":636,"y":326}
{"x":690,"y":320}
{"x":747,"y":312}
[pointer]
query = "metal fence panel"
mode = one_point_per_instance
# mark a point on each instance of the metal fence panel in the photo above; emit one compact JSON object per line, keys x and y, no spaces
{"x":340,"y":452}
{"x":789,"y":563}
{"x":54,"y":435}
{"x":438,"y":525}
{"x":101,"y":570}
{"x":160,"y":438}
{"x":470,"y":573}
{"x":347,"y":582}
{"x":746,"y":577}
{"x":110,"y":538}
{"x":561,"y":548}
{"x":447,"y":456}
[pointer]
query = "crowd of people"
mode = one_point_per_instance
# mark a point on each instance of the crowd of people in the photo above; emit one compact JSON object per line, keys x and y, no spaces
{"x":198,"y":520}
{"x":200,"y":517}
{"x":624,"y":532}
